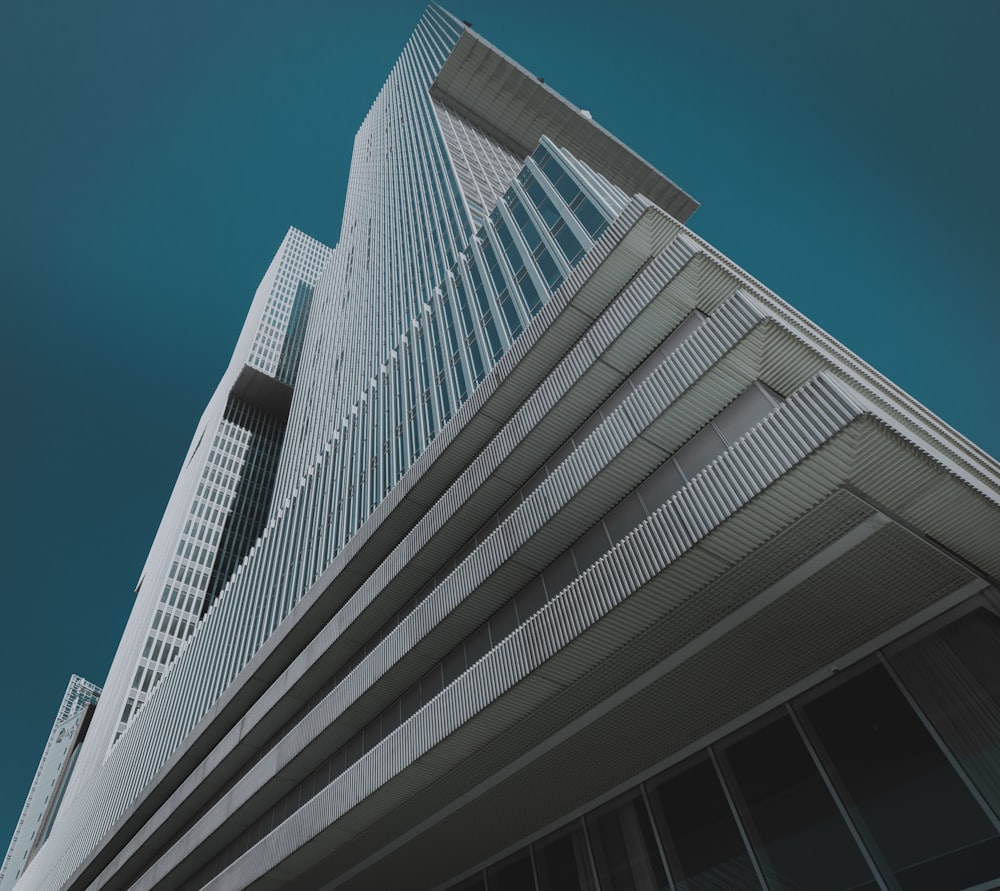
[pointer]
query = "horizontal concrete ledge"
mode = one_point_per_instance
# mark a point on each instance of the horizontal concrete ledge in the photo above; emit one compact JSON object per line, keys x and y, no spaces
{"x":639,"y":233}
{"x":783,"y":495}
{"x":514,"y":107}
{"x":263,"y":392}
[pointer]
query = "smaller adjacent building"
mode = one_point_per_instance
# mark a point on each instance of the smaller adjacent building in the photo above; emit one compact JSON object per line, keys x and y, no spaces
{"x":49,"y":783}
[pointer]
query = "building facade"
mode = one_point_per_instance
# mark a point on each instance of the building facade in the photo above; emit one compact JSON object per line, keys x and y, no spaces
{"x":528,"y":542}
{"x":49,"y":783}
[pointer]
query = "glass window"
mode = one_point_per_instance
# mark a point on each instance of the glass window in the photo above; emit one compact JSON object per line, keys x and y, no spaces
{"x":569,"y":244}
{"x":699,"y":451}
{"x":549,"y":269}
{"x":954,"y":675}
{"x":513,"y":874}
{"x":453,"y":664}
{"x":503,"y":621}
{"x":531,"y":297}
{"x":535,"y":191}
{"x":492,"y":335}
{"x":661,"y":485}
{"x":700,"y":836}
{"x":591,"y":546}
{"x":900,"y":788}
{"x":477,"y":644}
{"x":354,"y":749}
{"x":542,"y":156}
{"x":567,"y":188}
{"x":430,"y":684}
{"x":549,"y":212}
{"x":390,"y":719}
{"x":476,"y":883}
{"x":373,"y":733}
{"x":410,"y":702}
{"x":510,"y":314}
{"x":625,"y":851}
{"x":562,"y":862}
{"x":742,"y":413}
{"x":560,"y":573}
{"x":628,"y":514}
{"x":800,"y":839}
{"x":530,"y":599}
{"x":591,"y":219}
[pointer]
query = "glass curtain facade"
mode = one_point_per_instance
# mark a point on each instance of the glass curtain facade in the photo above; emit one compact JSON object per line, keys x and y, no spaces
{"x":883,"y":778}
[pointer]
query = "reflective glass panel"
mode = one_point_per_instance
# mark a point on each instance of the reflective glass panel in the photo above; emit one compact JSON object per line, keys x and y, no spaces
{"x":699,"y":834}
{"x":513,"y":874}
{"x":562,"y":863}
{"x":800,"y":839}
{"x":926,"y":825}
{"x":954,"y":674}
{"x":625,"y":850}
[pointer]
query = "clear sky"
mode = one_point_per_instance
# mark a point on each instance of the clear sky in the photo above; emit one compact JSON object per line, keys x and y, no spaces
{"x":153,"y":155}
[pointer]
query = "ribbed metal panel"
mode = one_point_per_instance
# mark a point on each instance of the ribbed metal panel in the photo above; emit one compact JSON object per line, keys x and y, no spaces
{"x":905,"y":410}
{"x":484,"y":565}
{"x":627,"y":568}
{"x":634,"y":214}
{"x":268,"y":645}
{"x":570,"y":621}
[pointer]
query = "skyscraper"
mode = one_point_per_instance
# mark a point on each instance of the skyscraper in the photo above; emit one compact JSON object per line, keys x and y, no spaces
{"x":49,"y":783}
{"x":529,"y":542}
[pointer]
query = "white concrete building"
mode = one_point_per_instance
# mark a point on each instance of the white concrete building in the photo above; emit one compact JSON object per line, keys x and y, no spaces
{"x":573,"y":558}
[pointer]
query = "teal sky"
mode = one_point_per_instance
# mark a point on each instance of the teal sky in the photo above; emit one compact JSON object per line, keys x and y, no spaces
{"x":154,"y":154}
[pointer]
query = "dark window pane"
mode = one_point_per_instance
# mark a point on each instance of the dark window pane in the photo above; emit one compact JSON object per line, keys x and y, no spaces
{"x":662,"y":484}
{"x":568,"y":189}
{"x":503,"y":621}
{"x":510,"y":315}
{"x":513,"y":874}
{"x":550,"y":271}
{"x":430,"y":684}
{"x":624,"y":847}
{"x":592,"y":219}
{"x":954,"y":675}
{"x":560,"y":573}
{"x":742,"y":413}
{"x":476,"y":883}
{"x":530,"y":599}
{"x":625,"y":517}
{"x":373,"y":734}
{"x":569,"y":244}
{"x":562,"y":862}
{"x":698,"y":452}
{"x":799,"y":836}
{"x":914,"y":807}
{"x":478,"y":643}
{"x":390,"y":719}
{"x":592,"y":545}
{"x":354,"y":749}
{"x":535,"y":192}
{"x":699,"y":833}
{"x":530,"y":292}
{"x":453,"y":664}
{"x":410,"y":702}
{"x":549,"y":212}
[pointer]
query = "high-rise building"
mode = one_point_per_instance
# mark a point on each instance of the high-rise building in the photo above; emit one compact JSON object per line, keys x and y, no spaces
{"x":528,"y":542}
{"x":49,"y":783}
